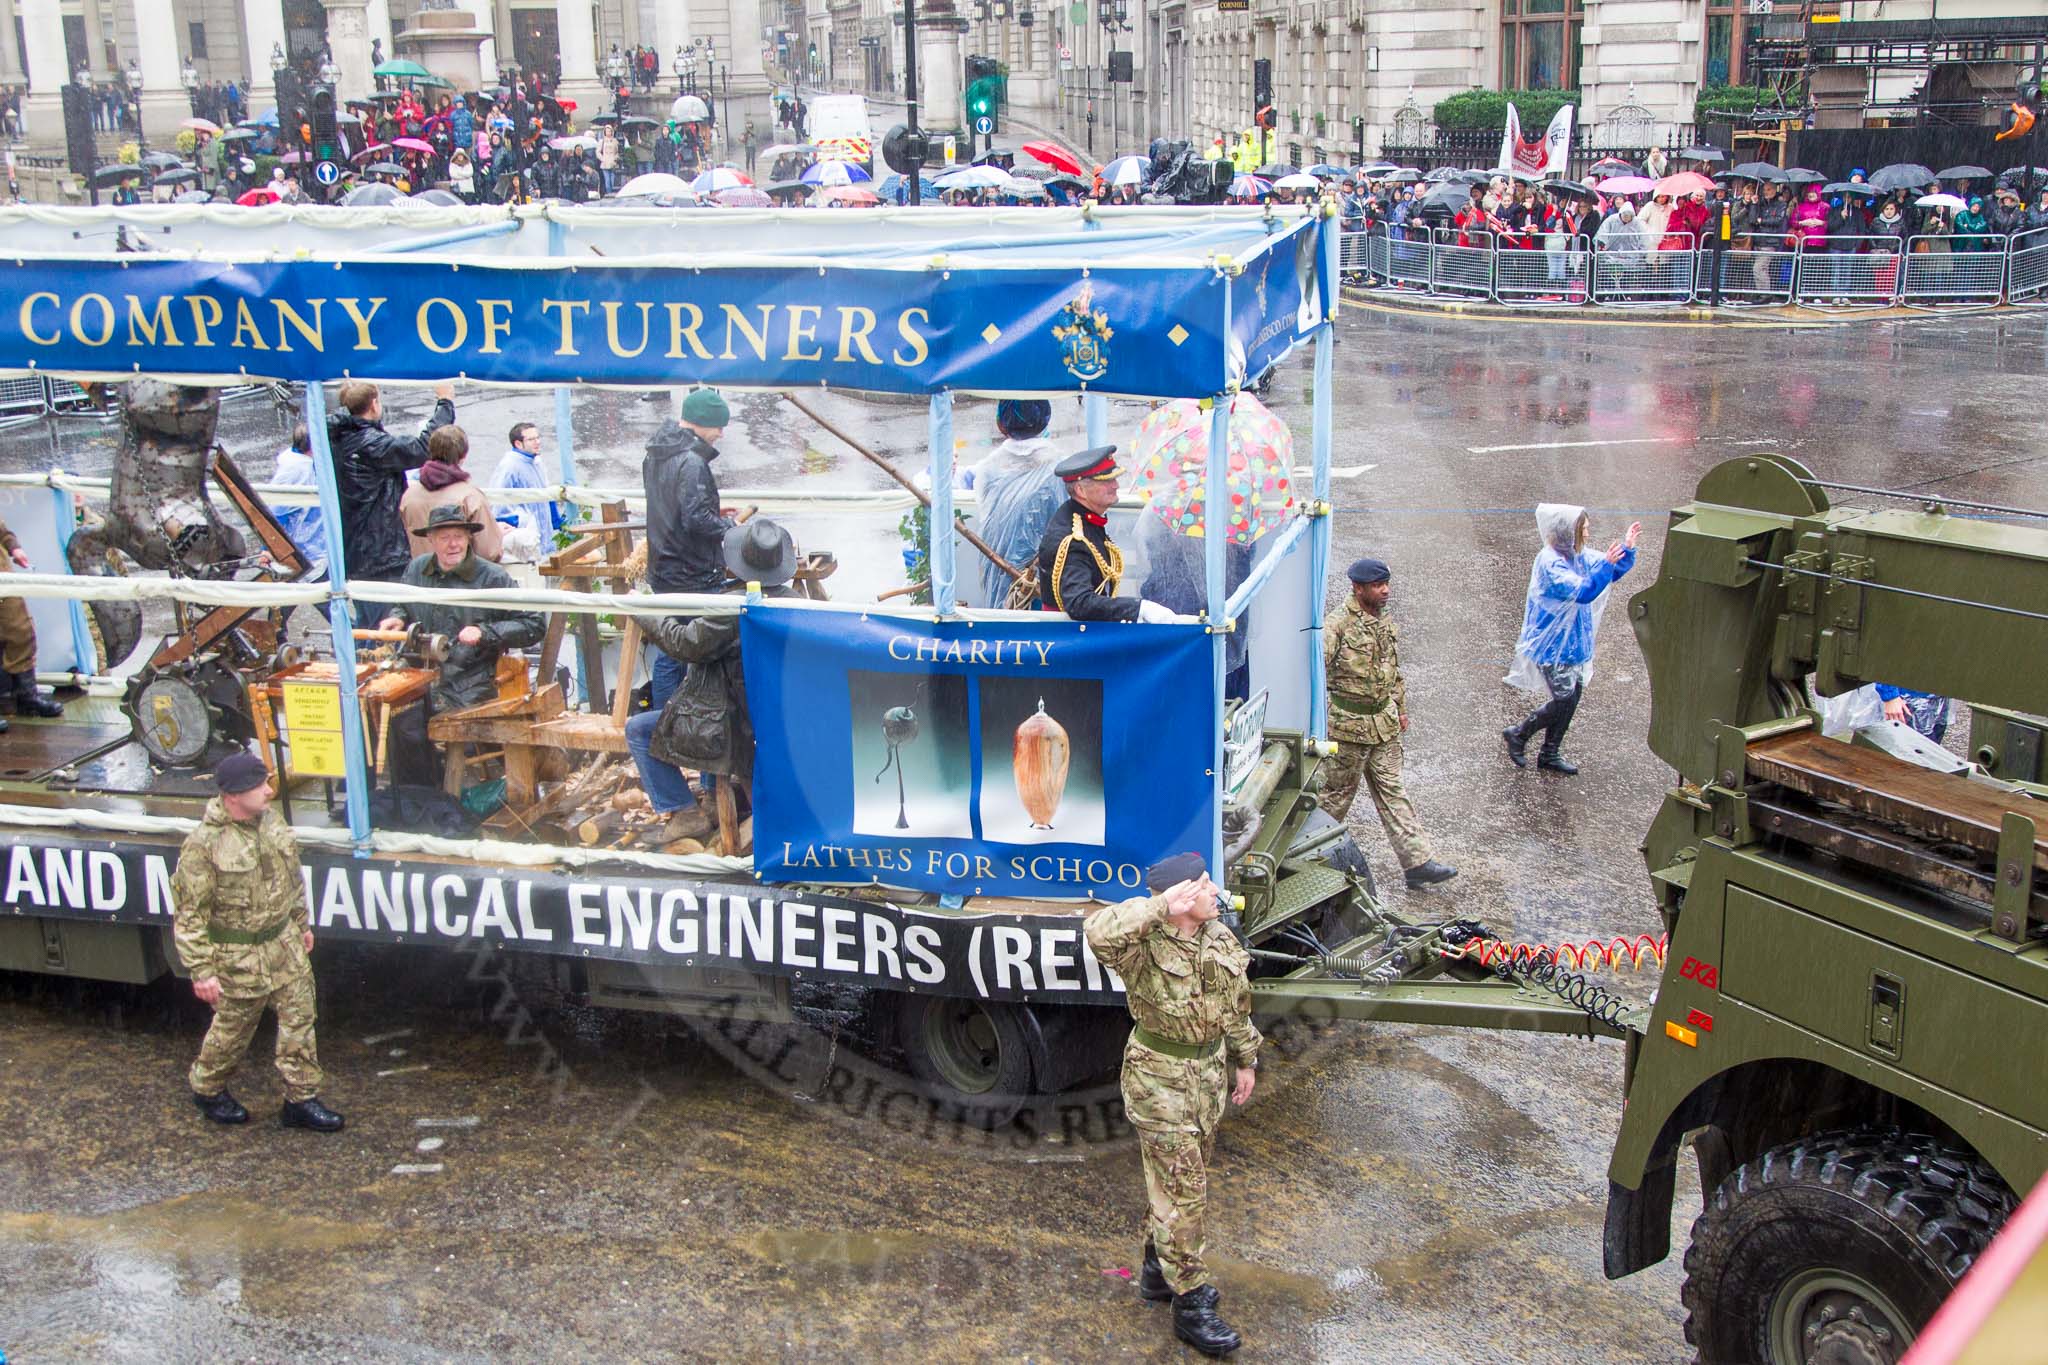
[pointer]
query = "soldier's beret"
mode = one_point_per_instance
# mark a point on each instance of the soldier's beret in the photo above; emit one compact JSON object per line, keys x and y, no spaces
{"x":1181,"y":867}
{"x":1096,"y":463}
{"x":240,"y":772}
{"x":1370,"y":570}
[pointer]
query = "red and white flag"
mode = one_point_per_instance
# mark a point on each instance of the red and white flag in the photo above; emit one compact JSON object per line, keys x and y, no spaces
{"x":1549,"y":156}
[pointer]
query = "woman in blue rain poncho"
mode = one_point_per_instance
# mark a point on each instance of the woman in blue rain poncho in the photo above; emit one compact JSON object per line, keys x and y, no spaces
{"x":1568,"y":587}
{"x":1017,"y":490}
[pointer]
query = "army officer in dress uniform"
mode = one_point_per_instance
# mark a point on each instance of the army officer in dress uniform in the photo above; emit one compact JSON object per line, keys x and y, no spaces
{"x":242,"y":931}
{"x":1368,"y":713}
{"x":1079,"y":566}
{"x":1192,"y":1044}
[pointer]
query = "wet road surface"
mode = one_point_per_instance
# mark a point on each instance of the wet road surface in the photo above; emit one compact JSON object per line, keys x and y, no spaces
{"x":652,"y":1188}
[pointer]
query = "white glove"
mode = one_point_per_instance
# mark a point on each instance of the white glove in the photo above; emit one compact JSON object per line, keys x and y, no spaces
{"x":1155,"y":614}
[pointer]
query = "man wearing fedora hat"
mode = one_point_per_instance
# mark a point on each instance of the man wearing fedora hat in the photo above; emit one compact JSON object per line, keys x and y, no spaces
{"x":704,"y":724}
{"x":242,"y":932}
{"x":1079,"y":566}
{"x":476,"y":635}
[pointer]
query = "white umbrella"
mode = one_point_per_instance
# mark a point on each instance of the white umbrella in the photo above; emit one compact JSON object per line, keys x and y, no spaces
{"x":975,"y":178}
{"x":1298,"y":181}
{"x":1942,"y":201}
{"x":718,"y":178}
{"x":655,"y":182}
{"x":688,"y":109}
{"x":1126,"y":170}
{"x":581,"y":142}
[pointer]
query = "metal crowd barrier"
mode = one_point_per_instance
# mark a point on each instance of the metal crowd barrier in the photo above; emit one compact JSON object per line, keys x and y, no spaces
{"x":1942,"y":275}
{"x":1847,"y":272}
{"x":1824,"y":273}
{"x":1633,"y":278}
{"x":1557,"y":273}
{"x":2026,"y":270}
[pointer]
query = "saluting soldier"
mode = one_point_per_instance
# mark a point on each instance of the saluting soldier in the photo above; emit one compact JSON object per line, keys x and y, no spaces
{"x":1079,"y":566}
{"x":242,"y":932}
{"x":18,"y":690}
{"x":1368,"y":713}
{"x":1192,"y":1042}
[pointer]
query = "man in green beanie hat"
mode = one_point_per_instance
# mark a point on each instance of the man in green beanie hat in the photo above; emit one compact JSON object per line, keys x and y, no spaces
{"x":685,"y":528}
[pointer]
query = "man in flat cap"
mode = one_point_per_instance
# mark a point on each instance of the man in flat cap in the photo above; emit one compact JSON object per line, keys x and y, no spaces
{"x":1079,"y":566}
{"x":1368,"y":713}
{"x":1192,"y":1041}
{"x":242,"y":933}
{"x":685,"y":525}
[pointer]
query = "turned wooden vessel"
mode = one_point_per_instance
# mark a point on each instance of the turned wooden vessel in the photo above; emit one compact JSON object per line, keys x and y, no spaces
{"x":1038,"y":758}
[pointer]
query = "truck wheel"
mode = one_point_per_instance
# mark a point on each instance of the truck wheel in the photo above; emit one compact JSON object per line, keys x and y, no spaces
{"x":1836,"y":1249}
{"x":972,"y":1053}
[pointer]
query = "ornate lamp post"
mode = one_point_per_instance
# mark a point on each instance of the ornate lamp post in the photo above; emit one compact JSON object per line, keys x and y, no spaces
{"x":134,"y":75}
{"x":189,"y":78}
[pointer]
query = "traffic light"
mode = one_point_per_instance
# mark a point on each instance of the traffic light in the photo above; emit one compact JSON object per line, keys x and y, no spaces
{"x":904,"y":151}
{"x":326,"y":137}
{"x":81,"y":151}
{"x":1262,"y":83}
{"x":981,"y":102}
{"x":1265,"y":117}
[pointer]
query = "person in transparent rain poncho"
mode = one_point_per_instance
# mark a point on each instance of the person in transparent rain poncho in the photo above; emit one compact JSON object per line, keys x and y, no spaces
{"x":1568,"y":588}
{"x":1016,"y":489}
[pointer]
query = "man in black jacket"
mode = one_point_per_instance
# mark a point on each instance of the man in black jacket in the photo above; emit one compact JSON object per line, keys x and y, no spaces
{"x":1079,"y":566}
{"x":369,"y":469}
{"x":685,"y":528}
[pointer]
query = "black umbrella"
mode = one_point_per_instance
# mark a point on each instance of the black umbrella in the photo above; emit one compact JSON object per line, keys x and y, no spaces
{"x":1611,"y":165}
{"x":1407,"y":175}
{"x":1703,"y":154}
{"x":1072,"y":182}
{"x":372,"y":196}
{"x":605,"y":118}
{"x":108,"y":175}
{"x":787,"y":187}
{"x":163,"y":161}
{"x":639,"y":121}
{"x":1851,"y":187}
{"x":1761,"y":171}
{"x":2012,"y":178}
{"x":1903,"y":175}
{"x":1571,"y":187}
{"x":446,"y":199}
{"x":183,"y":175}
{"x":1800,"y":176}
{"x":1963,"y":173}
{"x":1447,"y":197}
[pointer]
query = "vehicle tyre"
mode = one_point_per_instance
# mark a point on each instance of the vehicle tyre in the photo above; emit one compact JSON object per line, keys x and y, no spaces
{"x":1836,"y":1248}
{"x":972,"y":1053}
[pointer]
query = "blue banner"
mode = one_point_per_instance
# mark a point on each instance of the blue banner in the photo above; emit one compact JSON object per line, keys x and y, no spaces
{"x":1017,"y":758}
{"x":1155,"y":333}
{"x":1282,"y":297}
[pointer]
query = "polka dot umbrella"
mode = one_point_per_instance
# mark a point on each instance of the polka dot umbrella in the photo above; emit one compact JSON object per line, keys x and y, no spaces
{"x":1171,"y":453}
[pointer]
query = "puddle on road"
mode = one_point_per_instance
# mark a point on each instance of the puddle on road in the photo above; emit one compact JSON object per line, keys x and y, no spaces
{"x":190,"y":1225}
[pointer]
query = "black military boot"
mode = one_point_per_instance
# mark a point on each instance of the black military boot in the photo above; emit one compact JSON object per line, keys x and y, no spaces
{"x":1550,"y":760}
{"x":29,"y":699}
{"x":221,"y":1108}
{"x":310,"y":1114}
{"x":1196,"y":1323}
{"x":1152,"y":1285}
{"x":1428,"y":874}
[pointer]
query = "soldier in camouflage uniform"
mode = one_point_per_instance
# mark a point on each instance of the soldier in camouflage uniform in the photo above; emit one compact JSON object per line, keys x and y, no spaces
{"x":18,"y":690}
{"x":1184,"y":979}
{"x":242,"y":932}
{"x":1368,"y":712}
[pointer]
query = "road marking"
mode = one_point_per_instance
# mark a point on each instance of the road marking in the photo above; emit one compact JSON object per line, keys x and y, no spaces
{"x":377,"y":1038}
{"x":418,"y":1168}
{"x":402,"y":1070}
{"x":1576,"y":445}
{"x":466,"y":1121}
{"x":436,"y":1144}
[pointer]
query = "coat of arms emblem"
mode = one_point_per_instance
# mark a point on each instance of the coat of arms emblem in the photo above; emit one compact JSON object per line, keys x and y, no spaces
{"x":1083,"y":333}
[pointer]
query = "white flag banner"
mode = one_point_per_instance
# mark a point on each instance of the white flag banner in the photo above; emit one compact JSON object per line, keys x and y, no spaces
{"x":1557,"y":144}
{"x":1510,"y":139}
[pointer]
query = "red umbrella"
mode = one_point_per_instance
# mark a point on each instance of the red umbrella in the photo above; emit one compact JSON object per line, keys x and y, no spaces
{"x":262,"y":194}
{"x":1053,"y":156}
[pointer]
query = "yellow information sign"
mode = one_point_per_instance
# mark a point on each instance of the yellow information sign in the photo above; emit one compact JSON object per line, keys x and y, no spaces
{"x":312,"y":722}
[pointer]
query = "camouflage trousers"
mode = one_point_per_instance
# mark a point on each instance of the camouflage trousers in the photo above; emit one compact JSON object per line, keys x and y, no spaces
{"x":234,"y":1023}
{"x":17,"y":636}
{"x":1379,"y":767}
{"x":1175,"y":1104}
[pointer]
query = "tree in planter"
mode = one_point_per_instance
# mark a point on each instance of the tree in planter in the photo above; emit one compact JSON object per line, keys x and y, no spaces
{"x":1487,"y":110}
